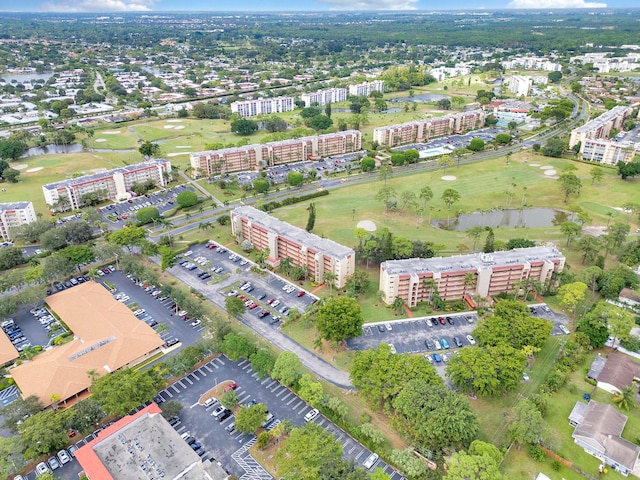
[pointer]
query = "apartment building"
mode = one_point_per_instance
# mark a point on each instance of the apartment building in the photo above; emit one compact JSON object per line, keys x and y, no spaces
{"x":323,"y":97}
{"x":424,"y":130}
{"x":602,"y":126}
{"x":115,"y":184}
{"x":364,"y":89}
{"x":475,"y":274}
{"x":251,"y":157}
{"x":260,"y":106}
{"x":519,"y":85}
{"x":13,"y":215}
{"x":319,"y":255}
{"x":606,"y":152}
{"x":532,"y":63}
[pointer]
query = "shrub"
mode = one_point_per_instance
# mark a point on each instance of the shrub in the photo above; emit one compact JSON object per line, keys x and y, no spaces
{"x":263,"y":440}
{"x":536,"y":453}
{"x":556,"y":465}
{"x":147,"y":215}
{"x":187,"y":199}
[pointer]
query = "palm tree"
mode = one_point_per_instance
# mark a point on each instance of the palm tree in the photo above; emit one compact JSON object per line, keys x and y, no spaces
{"x":330,"y":277}
{"x":626,"y":399}
{"x":398,"y":305}
{"x":429,"y":284}
{"x":426,"y":194}
{"x":469,"y":281}
{"x":92,"y":273}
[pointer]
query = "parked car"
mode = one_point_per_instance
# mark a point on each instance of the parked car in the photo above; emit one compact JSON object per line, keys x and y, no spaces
{"x":371,"y":460}
{"x":436,"y":358}
{"x":471,"y":340}
{"x":42,"y":468}
{"x":457,"y":341}
{"x":444,"y":343}
{"x":231,"y":386}
{"x":64,"y":457}
{"x":311,"y":415}
{"x":224,"y":415}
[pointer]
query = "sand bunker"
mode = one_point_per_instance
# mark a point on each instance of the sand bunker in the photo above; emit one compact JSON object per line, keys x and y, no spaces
{"x":22,"y":166}
{"x":111,"y":132}
{"x":368,"y":225}
{"x":448,"y":178}
{"x":183,"y":146}
{"x":176,"y":154}
{"x":169,"y":126}
{"x":179,"y":127}
{"x":546,"y":167}
{"x":534,"y":164}
{"x":101,"y":140}
{"x":174,"y":120}
{"x":34,"y":169}
{"x":550,"y":172}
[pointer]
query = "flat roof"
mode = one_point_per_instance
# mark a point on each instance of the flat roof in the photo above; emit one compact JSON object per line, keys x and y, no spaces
{"x":474,"y":261}
{"x":323,"y":245}
{"x":434,"y":119}
{"x":107,"y":336}
{"x":604,"y":118}
{"x":105,"y":174}
{"x":14,"y":206}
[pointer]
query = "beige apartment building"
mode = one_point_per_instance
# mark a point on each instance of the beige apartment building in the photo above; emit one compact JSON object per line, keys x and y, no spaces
{"x":419,"y":131}
{"x":13,"y":215}
{"x":251,"y":157}
{"x":116,"y":184}
{"x":606,"y":152}
{"x":601,"y":126}
{"x":493,"y":273}
{"x":284,"y":240}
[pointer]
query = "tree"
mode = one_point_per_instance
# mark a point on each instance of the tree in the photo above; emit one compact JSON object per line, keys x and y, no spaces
{"x":570,"y":185}
{"x":12,"y":149}
{"x":626,"y":398}
{"x":287,"y":368}
{"x":368,"y":164}
{"x":44,"y":432}
{"x":570,"y":230}
{"x":249,"y":419}
{"x":554,"y":148}
{"x":463,"y":466}
{"x":261,"y":185}
{"x":149,"y":150}
{"x":572,"y":295}
{"x":10,"y":455}
{"x":18,"y":410}
{"x":320,"y":122}
{"x":445,"y":161}
{"x":11,"y":175}
{"x":147,"y":215}
{"x":310,"y":391}
{"x":78,"y":255}
{"x":294,"y":178}
{"x":503,"y":139}
{"x":122,"y":390}
{"x":275,"y":124}
{"x":385,"y":194}
{"x":589,"y":246}
{"x":475,"y":233}
{"x":311,"y":221}
{"x":56,"y":267}
{"x":187,"y":199}
{"x":167,"y":257}
{"x":244,"y":126}
{"x":234,"y":306}
{"x":236,"y":346}
{"x":385,"y":173}
{"x":338,"y":319}
{"x":449,"y":197}
{"x":262,"y":362}
{"x":426,"y":194}
{"x":85,"y":414}
{"x":597,"y":173}
{"x":129,"y":237}
{"x":53,"y":239}
{"x":490,"y":241}
{"x":554,"y":77}
{"x":229,"y":399}
{"x":616,"y":234}
{"x":304,"y":453}
{"x":620,"y":324}
{"x":10,"y":257}
{"x":595,"y":324}
{"x":476,"y":145}
{"x":408,"y":463}
{"x":526,"y":424}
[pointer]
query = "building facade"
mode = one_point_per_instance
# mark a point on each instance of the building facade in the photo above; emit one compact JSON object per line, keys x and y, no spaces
{"x":606,"y":152}
{"x":414,"y":279}
{"x":424,"y":130}
{"x":116,"y":184}
{"x":251,"y":157}
{"x":304,"y":249}
{"x":364,"y":89}
{"x":602,"y":126}
{"x":13,"y":215}
{"x":520,"y":85}
{"x":262,"y":106}
{"x":323,"y":97}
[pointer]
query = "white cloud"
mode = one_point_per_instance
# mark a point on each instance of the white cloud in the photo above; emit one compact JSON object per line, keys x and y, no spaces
{"x":555,"y":4}
{"x":371,"y":4}
{"x":76,"y":6}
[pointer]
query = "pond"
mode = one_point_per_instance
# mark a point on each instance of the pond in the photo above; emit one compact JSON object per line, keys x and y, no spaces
{"x":50,"y":149}
{"x":423,"y":97}
{"x":510,"y":218}
{"x":26,"y":77}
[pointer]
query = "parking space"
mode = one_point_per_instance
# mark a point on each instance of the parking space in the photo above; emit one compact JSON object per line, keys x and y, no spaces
{"x":560,"y":320}
{"x":418,"y":335}
{"x":230,"y":447}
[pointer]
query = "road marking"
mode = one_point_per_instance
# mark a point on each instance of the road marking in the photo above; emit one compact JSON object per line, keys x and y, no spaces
{"x":194,"y":405}
{"x":207,"y":367}
{"x":220,"y":361}
{"x":254,"y":375}
{"x":174,"y":388}
{"x":283,"y":390}
{"x":303,"y":409}
{"x":201,"y":372}
{"x":188,"y":380}
{"x":340,"y":436}
{"x":286,"y":396}
{"x":242,"y":362}
{"x":243,"y":398}
{"x":272,"y":382}
{"x":168,"y":393}
{"x":360,"y":454}
{"x":265,"y":381}
{"x":195,"y":377}
{"x":182,"y":384}
{"x":296,"y":405}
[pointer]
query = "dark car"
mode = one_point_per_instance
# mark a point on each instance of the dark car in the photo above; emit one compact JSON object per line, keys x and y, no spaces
{"x":190,"y":440}
{"x":200,"y":451}
{"x":450,"y":320}
{"x":457,"y":341}
{"x":381,"y":328}
{"x":430,"y":345}
{"x":434,"y":322}
{"x":196,"y":445}
{"x":172,"y":342}
{"x":224,"y":415}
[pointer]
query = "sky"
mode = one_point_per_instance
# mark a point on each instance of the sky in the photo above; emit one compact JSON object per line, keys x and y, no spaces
{"x":68,"y":6}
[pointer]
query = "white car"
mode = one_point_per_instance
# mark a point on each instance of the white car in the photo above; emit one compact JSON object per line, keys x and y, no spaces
{"x":388,"y":325}
{"x":64,"y":457}
{"x":188,"y":254}
{"x":471,"y":340}
{"x":371,"y":461}
{"x":196,"y":323}
{"x":311,"y":415}
{"x":564,"y":329}
{"x":42,"y":468}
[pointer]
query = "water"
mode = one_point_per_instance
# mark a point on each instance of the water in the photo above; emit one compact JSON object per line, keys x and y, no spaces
{"x":53,"y":149}
{"x":510,"y":218}
{"x":433,"y":152}
{"x":392,"y":110}
{"x":26,"y":77}
{"x":423,"y":97}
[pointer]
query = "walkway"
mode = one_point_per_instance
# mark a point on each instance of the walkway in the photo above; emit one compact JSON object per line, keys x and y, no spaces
{"x":197,"y":186}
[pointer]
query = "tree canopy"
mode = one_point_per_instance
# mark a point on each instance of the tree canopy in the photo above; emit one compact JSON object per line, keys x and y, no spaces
{"x":338,"y":319}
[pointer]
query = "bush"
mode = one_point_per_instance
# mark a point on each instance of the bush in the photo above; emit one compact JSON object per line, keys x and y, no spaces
{"x":267,"y":207}
{"x":147,"y":215}
{"x":263,"y":440}
{"x":187,"y":199}
{"x":556,"y":465}
{"x":536,"y":453}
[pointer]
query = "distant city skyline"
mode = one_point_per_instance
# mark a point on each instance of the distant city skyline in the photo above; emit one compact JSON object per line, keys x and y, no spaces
{"x":112,"y":6}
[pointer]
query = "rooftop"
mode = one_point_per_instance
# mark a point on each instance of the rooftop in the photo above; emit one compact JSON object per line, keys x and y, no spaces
{"x":604,"y":118}
{"x":619,"y":370}
{"x":107,"y":173}
{"x":14,"y":206}
{"x":296,"y":234}
{"x":474,"y":261}
{"x":435,"y":119}
{"x":8,"y":352}
{"x":107,"y":336}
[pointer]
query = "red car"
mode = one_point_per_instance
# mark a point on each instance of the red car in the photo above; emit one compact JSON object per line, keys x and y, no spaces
{"x":211,"y":246}
{"x":252,"y":306}
{"x":301,"y":293}
{"x":232,"y":386}
{"x":442,"y":320}
{"x":270,"y":301}
{"x":124,"y":217}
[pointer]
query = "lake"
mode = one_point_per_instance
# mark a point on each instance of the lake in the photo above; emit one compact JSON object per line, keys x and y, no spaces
{"x":26,"y":77}
{"x":510,"y":218}
{"x":423,"y":97}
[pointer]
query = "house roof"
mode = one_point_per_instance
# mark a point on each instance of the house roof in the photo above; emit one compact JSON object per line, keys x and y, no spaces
{"x":596,"y":366}
{"x":107,"y":336}
{"x":628,"y":294}
{"x":8,"y":352}
{"x":601,"y":429}
{"x":577,"y":414}
{"x":619,"y":370}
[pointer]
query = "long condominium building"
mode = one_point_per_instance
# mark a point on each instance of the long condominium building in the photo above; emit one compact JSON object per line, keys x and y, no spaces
{"x":481,"y":274}
{"x":606,"y":152}
{"x":319,"y":255}
{"x":602,"y":126}
{"x":250,"y":157}
{"x":13,"y":215}
{"x":424,"y":130}
{"x":116,"y":184}
{"x":364,"y":89}
{"x":260,"y":106}
{"x":323,"y":97}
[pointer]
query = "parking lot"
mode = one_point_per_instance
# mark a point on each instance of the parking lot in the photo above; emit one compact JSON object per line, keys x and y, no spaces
{"x":454,"y":141}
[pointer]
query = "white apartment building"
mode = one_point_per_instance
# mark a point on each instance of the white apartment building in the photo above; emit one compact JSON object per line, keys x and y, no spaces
{"x":520,"y":86}
{"x":13,"y":215}
{"x":532,"y":63}
{"x":323,"y":97}
{"x":440,"y":73}
{"x":604,"y":63}
{"x":606,"y":152}
{"x":115,"y":184}
{"x":364,"y":89}
{"x":261,"y":106}
{"x":601,"y":127}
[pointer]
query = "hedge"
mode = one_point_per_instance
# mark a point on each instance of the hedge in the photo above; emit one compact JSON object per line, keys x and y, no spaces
{"x":267,"y":207}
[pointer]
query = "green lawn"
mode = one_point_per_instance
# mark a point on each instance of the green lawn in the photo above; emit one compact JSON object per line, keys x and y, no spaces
{"x":124,"y":139}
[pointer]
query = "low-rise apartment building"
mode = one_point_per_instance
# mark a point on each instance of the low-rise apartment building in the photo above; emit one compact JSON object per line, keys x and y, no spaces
{"x":482,"y":274}
{"x":13,"y":215}
{"x":115,"y":184}
{"x":260,"y":106}
{"x":424,"y":130}
{"x":304,"y":249}
{"x":323,"y":97}
{"x":250,"y":157}
{"x":601,"y":126}
{"x":364,"y":89}
{"x":606,"y":152}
